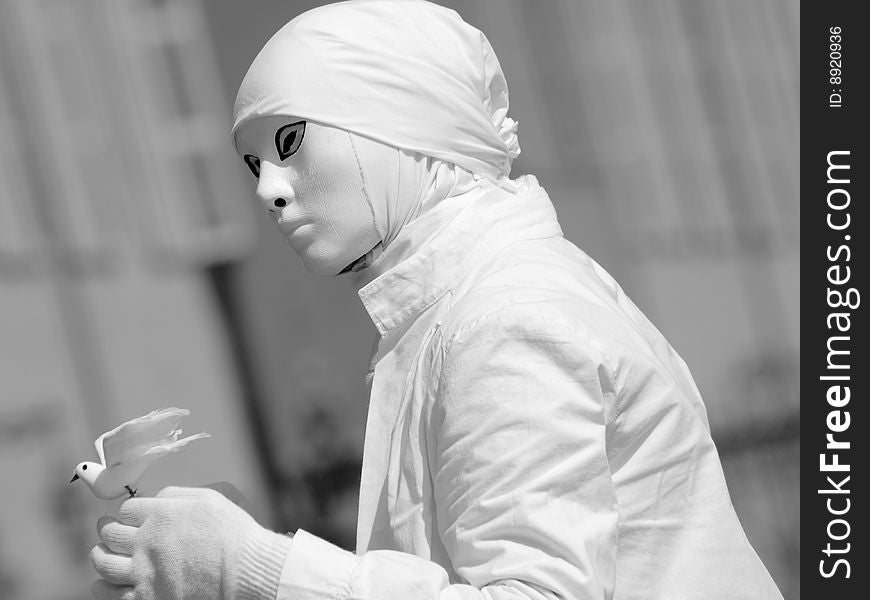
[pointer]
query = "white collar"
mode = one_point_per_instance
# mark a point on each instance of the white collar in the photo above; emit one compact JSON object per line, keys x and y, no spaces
{"x":435,"y":252}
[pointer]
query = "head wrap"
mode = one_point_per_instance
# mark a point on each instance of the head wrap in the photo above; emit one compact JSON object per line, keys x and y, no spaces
{"x":407,"y":73}
{"x":402,"y":185}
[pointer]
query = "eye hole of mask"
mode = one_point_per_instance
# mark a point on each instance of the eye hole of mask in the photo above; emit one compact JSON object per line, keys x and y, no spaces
{"x":253,"y":164}
{"x":289,"y":138}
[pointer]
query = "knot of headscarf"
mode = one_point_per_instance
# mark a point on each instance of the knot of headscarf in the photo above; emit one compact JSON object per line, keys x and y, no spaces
{"x":507,"y":131}
{"x":407,"y":73}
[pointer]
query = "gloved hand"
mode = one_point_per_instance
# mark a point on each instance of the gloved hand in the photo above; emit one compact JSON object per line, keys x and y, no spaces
{"x":186,"y":544}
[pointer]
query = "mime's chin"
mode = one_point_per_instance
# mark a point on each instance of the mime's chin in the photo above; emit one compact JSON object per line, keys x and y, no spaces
{"x":319,"y":265}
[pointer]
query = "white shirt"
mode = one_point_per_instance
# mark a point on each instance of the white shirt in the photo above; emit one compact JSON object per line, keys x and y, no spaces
{"x":530,"y":434}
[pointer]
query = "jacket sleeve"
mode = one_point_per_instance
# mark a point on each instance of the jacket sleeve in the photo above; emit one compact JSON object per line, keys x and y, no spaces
{"x":524,"y":502}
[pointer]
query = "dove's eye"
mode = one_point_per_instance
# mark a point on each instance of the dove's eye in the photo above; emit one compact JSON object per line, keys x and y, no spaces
{"x":84,"y":467}
{"x":289,"y":138}
{"x":253,"y":164}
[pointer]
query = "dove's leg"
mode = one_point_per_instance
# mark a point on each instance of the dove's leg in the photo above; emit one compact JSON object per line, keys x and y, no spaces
{"x":131,"y":492}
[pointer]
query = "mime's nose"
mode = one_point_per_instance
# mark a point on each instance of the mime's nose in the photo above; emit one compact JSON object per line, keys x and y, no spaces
{"x":274,"y":205}
{"x":273,"y":190}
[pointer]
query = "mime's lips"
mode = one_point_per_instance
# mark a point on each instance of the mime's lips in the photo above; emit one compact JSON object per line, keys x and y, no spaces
{"x":287,"y":227}
{"x":297,"y":233}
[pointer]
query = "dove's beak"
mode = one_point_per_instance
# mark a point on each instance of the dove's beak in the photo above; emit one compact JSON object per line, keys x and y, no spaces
{"x":76,"y":476}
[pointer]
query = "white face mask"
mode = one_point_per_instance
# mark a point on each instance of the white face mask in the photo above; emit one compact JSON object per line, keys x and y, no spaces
{"x":310,"y":180}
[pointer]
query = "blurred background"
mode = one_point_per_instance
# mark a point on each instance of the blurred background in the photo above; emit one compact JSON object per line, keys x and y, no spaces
{"x":137,"y":271}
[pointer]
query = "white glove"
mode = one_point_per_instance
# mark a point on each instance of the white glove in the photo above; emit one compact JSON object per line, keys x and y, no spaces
{"x":186,"y":544}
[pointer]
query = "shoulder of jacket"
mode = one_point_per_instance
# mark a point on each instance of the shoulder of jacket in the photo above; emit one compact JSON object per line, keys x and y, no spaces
{"x":528,"y":282}
{"x":545,"y":288}
{"x":485,"y":316}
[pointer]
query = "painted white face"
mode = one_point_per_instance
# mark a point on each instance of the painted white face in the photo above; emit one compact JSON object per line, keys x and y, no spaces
{"x":309,"y":179}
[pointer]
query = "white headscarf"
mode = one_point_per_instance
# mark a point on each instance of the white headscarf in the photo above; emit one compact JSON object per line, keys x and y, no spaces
{"x":408,"y":73}
{"x":402,"y":185}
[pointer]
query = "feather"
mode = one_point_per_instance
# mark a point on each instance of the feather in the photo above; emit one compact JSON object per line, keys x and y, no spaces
{"x":130,"y":440}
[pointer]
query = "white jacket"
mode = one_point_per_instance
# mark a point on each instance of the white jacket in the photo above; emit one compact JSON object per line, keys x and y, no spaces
{"x":530,"y":435}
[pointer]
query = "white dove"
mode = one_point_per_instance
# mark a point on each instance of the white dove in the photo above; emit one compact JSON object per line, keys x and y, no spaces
{"x":129,"y":449}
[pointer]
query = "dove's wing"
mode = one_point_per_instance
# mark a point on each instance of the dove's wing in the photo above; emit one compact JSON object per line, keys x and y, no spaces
{"x":136,"y":437}
{"x":98,"y":444}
